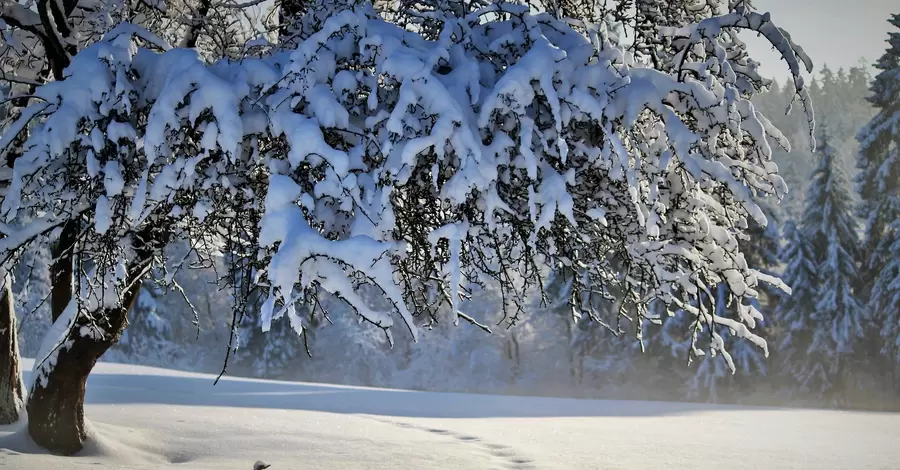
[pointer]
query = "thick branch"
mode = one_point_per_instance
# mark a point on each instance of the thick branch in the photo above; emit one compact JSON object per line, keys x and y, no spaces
{"x":18,"y":16}
{"x":61,"y":271}
{"x":56,"y":25}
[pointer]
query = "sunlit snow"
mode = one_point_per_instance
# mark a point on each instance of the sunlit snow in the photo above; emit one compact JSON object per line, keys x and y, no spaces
{"x":155,"y":418}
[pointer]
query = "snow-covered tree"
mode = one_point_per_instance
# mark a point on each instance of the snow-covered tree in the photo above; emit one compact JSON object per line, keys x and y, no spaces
{"x":713,"y":380}
{"x":276,"y":354}
{"x":794,"y":312}
{"x":841,"y":96}
{"x":557,"y":308}
{"x":31,"y":289}
{"x":38,"y":42}
{"x":669,"y":346}
{"x":833,"y":232}
{"x":368,"y":157}
{"x":878,"y":184}
{"x":359,"y":354}
{"x":761,"y":249}
{"x":148,"y":339}
{"x":824,"y":270}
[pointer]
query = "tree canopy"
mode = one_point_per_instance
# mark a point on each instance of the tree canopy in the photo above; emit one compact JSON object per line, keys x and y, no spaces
{"x":372,"y":156}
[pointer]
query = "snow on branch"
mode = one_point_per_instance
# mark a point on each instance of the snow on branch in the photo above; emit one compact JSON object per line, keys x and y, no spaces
{"x":18,"y":15}
{"x":711,"y":29}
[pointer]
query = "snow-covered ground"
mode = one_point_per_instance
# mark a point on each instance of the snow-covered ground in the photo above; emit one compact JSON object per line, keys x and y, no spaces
{"x":155,"y":418}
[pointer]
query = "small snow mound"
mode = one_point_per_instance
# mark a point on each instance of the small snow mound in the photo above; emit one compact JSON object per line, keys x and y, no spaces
{"x":126,"y":445}
{"x":18,"y":442}
{"x":101,"y":444}
{"x":108,"y":443}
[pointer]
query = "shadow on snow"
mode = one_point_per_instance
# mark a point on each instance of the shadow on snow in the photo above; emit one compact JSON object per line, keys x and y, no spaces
{"x":110,"y":388}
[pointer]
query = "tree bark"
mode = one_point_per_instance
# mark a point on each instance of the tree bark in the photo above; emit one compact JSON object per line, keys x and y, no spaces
{"x":56,"y":408}
{"x":12,"y":394}
{"x":61,"y":271}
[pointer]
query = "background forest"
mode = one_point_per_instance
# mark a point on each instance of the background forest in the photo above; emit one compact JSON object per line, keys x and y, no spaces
{"x":822,"y":351}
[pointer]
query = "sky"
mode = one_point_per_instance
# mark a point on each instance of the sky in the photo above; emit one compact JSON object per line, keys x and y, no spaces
{"x":834,"y":32}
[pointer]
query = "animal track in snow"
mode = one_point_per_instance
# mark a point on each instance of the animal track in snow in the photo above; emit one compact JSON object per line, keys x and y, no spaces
{"x":509,"y":458}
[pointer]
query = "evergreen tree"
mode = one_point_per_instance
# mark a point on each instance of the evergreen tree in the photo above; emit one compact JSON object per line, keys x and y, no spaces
{"x":840,"y":95}
{"x":878,"y":184}
{"x":148,"y":339}
{"x":31,"y":290}
{"x":712,"y":372}
{"x":565,"y":319}
{"x":794,"y":312}
{"x":274,"y":354}
{"x":837,"y":318}
{"x":357,"y":351}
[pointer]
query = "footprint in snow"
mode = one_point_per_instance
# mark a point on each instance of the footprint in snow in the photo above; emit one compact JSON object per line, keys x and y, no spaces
{"x":509,"y":457}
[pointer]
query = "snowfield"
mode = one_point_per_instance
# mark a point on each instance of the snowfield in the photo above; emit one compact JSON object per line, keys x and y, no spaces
{"x":154,"y":418}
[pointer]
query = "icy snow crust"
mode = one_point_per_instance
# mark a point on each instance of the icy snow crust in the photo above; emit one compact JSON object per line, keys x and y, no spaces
{"x":520,"y":119}
{"x":146,"y":418}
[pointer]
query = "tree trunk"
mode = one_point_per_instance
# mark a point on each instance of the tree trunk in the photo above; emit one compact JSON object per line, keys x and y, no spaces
{"x":12,"y":394}
{"x":56,"y":407}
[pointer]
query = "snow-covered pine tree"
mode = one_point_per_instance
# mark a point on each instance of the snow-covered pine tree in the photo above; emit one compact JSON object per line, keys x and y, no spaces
{"x":148,"y":340}
{"x":837,"y":318}
{"x":607,"y":349}
{"x":31,"y":289}
{"x":356,"y":351}
{"x":275,"y":354}
{"x":793,"y":316}
{"x":878,"y":183}
{"x":564,"y":319}
{"x":669,"y":348}
{"x":712,"y":371}
{"x":841,"y":95}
